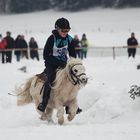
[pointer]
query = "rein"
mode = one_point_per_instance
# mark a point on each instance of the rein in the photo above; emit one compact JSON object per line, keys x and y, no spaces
{"x":75,"y":78}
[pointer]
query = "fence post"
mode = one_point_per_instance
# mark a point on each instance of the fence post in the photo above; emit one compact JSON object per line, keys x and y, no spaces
{"x":114,"y":55}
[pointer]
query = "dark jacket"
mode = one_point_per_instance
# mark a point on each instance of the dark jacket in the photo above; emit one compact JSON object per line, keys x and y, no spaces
{"x":33,"y":49}
{"x":48,"y":50}
{"x":132,"y":41}
{"x":76,"y":43}
{"x":18,"y":46}
{"x":33,"y":45}
{"x":23,"y":44}
{"x":10,"y":42}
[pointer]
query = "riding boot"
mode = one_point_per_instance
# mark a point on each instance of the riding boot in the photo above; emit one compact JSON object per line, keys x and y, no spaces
{"x":46,"y":96}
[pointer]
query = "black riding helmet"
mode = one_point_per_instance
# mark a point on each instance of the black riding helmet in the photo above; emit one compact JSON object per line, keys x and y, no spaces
{"x":62,"y":23}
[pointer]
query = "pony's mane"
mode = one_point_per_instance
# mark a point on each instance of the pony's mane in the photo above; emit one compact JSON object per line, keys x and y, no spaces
{"x":72,"y":61}
{"x":62,"y":74}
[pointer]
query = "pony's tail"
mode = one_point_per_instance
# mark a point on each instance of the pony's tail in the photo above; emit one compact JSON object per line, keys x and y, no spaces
{"x":23,"y":93}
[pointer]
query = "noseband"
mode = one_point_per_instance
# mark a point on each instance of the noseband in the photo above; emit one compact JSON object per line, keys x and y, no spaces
{"x":75,"y":79}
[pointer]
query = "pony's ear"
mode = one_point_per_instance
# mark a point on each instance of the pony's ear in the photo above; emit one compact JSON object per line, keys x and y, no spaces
{"x":73,"y":60}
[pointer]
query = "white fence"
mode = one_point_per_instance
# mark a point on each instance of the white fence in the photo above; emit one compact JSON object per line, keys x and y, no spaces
{"x":110,"y":51}
{"x":92,"y":51}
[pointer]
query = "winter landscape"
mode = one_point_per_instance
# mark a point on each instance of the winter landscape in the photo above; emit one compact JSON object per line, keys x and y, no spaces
{"x":108,"y":111}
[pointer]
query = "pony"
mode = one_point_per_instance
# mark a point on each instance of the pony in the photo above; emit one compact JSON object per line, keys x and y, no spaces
{"x":63,"y":92}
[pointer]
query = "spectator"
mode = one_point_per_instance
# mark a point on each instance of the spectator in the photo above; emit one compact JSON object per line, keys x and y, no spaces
{"x":84,"y":46}
{"x":33,"y":49}
{"x":132,"y":45}
{"x":10,"y":45}
{"x":76,"y":42}
{"x":18,"y":46}
{"x":3,"y":45}
{"x":24,"y":46}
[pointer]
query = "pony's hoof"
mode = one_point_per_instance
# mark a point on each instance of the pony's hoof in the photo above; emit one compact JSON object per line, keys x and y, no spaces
{"x":61,"y":121}
{"x":70,"y":117}
{"x":43,"y":117}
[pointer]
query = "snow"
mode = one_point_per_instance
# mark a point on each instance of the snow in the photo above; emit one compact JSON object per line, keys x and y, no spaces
{"x":108,"y":111}
{"x":104,"y":27}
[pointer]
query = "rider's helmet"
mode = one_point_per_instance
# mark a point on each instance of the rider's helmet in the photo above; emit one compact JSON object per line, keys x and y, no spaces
{"x":62,"y":23}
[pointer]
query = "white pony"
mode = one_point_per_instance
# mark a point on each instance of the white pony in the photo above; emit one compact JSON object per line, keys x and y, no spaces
{"x":64,"y":91}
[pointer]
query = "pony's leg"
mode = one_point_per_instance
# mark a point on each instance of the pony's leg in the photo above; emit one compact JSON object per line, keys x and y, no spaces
{"x":72,"y":110}
{"x":43,"y":116}
{"x":60,"y":116}
{"x":47,"y":115}
{"x":49,"y":112}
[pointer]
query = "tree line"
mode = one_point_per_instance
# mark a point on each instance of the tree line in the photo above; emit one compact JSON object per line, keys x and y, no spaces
{"x":22,"y":6}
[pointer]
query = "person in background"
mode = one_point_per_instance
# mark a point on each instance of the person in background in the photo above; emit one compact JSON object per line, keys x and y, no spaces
{"x":58,"y":48}
{"x":24,"y":46}
{"x":10,"y":45}
{"x":3,"y":45}
{"x":76,"y":42}
{"x":132,"y":45}
{"x":33,"y":46}
{"x":84,"y":46}
{"x":18,"y":46}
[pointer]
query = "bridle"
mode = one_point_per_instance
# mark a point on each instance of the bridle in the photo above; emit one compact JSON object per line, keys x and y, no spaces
{"x":75,"y":79}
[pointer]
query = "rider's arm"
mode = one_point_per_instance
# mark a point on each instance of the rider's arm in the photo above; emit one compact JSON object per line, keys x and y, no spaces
{"x":71,"y":49}
{"x":48,"y":49}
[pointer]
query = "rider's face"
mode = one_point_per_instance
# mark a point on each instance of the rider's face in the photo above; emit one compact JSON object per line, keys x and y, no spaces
{"x":63,"y":32}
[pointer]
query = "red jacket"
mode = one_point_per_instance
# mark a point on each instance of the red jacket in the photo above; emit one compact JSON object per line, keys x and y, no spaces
{"x":3,"y":44}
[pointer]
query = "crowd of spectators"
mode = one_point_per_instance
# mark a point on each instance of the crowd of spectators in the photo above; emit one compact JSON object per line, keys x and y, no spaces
{"x":81,"y":46}
{"x":20,"y":47}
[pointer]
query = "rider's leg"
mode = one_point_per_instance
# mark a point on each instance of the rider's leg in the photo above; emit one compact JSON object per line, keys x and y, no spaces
{"x":50,"y":72}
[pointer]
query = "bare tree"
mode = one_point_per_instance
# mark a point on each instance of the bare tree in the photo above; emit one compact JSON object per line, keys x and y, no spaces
{"x":1,"y":6}
{"x":5,"y":6}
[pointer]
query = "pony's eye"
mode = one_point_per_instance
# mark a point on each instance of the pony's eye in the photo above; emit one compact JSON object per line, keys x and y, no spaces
{"x":75,"y":70}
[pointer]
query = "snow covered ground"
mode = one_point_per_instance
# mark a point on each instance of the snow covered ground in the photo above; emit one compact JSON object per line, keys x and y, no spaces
{"x":108,"y":111}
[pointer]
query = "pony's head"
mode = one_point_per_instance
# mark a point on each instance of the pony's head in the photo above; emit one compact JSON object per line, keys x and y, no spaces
{"x":76,"y":72}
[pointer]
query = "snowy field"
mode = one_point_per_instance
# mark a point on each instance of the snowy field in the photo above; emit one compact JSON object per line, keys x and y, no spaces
{"x":104,"y":27}
{"x":108,"y":111}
